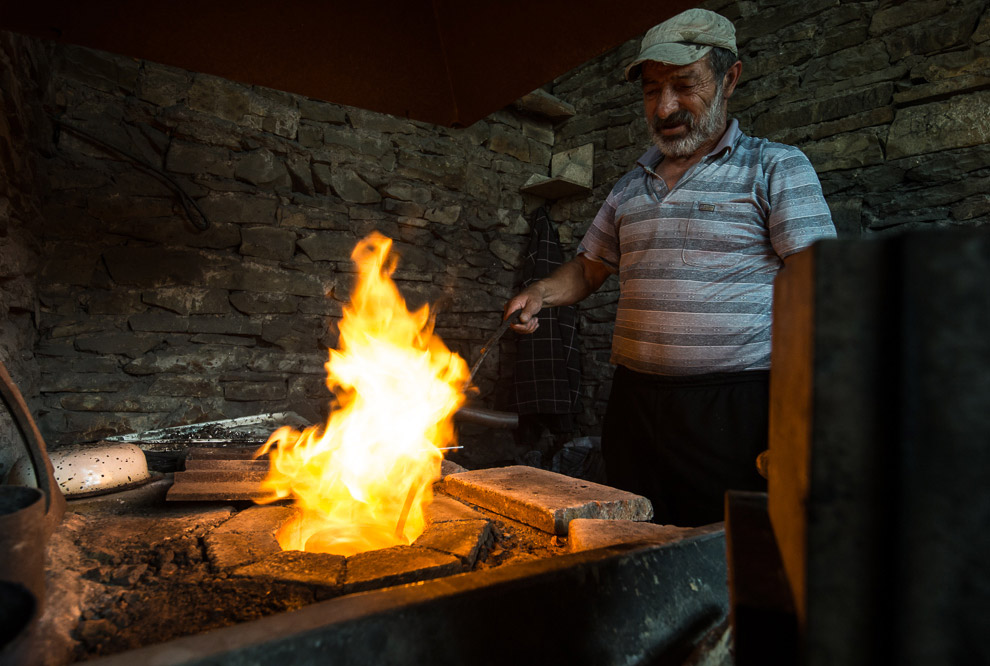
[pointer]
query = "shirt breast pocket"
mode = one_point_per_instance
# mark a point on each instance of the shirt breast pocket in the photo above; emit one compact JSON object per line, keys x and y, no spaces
{"x":719,"y":235}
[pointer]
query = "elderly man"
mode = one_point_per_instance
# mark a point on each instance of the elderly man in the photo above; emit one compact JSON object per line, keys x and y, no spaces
{"x":696,"y":233}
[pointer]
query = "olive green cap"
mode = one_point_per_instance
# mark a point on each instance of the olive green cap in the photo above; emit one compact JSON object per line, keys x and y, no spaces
{"x":684,"y":39}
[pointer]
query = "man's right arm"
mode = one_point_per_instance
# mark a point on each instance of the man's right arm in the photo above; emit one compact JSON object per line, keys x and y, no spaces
{"x":568,"y":284}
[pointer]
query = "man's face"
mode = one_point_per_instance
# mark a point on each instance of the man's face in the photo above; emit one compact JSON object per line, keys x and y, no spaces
{"x":685,"y":108}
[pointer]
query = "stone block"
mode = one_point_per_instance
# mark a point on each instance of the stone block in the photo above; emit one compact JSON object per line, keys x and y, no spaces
{"x":184,"y":387}
{"x":939,"y":34}
{"x":397,"y":566}
{"x":504,"y":140}
{"x":264,"y":303}
{"x":300,"y":174}
{"x":887,"y":19}
{"x":228,"y":551}
{"x":322,"y":112}
{"x":543,"y":499}
{"x":220,"y":98}
{"x":444,"y":214}
{"x":361,"y":144}
{"x":188,"y":300}
{"x":126,"y":344}
{"x":319,"y":570}
{"x":321,"y":178}
{"x":445,"y":509}
{"x":591,"y":533}
{"x":226,"y":325}
{"x":197,"y":159}
{"x":959,"y":122}
{"x":251,"y":391}
{"x":449,"y":466}
{"x":268,"y":243}
{"x":198,"y":360}
{"x":161,"y":85}
{"x":463,"y":539}
{"x":379,"y":122}
{"x":265,"y":519}
{"x":845,"y":151}
{"x":258,"y":277}
{"x":158,"y":322}
{"x":328,"y":247}
{"x":350,"y":187}
{"x":260,"y":168}
{"x":114,"y":404}
{"x":213,"y":339}
{"x":239,"y":208}
{"x":296,"y":334}
{"x":404,"y":208}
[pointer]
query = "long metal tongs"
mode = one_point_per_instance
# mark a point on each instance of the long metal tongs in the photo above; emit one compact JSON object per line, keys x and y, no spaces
{"x":490,"y":342}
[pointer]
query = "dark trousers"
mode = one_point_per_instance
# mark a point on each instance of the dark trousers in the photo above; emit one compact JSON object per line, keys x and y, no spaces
{"x":683,"y":441}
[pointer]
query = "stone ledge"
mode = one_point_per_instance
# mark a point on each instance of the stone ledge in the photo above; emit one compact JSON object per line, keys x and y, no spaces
{"x":541,"y":103}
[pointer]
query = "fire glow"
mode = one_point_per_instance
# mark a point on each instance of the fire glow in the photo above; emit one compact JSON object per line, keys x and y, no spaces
{"x":362,"y":481}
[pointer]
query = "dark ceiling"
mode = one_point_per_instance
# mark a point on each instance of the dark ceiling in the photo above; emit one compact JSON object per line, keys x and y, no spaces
{"x":440,"y":61}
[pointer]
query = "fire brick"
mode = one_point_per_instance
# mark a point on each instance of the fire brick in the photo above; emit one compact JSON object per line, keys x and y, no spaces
{"x":227,"y":551}
{"x":545,"y":500}
{"x":588,"y":534}
{"x":462,"y":538}
{"x":397,"y":566}
{"x":319,"y":570}
{"x":445,"y":510}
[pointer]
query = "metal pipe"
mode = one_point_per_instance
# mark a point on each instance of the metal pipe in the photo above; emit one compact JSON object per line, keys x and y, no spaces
{"x":487,"y":417}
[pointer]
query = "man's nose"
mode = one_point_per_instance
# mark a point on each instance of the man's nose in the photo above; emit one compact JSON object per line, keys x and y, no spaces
{"x":666,"y":104}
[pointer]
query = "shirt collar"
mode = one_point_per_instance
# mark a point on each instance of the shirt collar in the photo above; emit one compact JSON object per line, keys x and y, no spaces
{"x":651,"y":158}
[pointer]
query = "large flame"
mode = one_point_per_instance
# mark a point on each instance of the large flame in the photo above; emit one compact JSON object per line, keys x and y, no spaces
{"x":361,"y":482}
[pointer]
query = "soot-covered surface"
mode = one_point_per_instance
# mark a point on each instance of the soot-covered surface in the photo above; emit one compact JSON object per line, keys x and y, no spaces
{"x":130,"y":570}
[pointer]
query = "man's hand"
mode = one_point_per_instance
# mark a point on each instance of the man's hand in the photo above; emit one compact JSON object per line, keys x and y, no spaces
{"x":530,"y":301}
{"x":567,"y":285}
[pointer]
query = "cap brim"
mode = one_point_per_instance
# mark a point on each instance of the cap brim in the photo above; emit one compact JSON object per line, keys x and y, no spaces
{"x":669,"y":54}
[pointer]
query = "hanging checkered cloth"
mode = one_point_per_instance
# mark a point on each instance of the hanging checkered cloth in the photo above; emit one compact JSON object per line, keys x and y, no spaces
{"x":548,"y":363}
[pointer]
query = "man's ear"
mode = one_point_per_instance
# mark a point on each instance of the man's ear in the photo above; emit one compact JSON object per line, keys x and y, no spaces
{"x":732,"y":78}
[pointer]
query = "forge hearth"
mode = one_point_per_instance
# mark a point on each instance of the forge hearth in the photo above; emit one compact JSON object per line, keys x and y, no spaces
{"x":131,"y":570}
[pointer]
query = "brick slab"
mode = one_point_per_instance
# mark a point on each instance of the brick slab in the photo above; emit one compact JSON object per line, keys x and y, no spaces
{"x":227,"y":551}
{"x":397,"y":566}
{"x":463,"y":538}
{"x":320,"y":570}
{"x":588,"y":534}
{"x":257,"y":519}
{"x":446,"y":509}
{"x":544,"y":500}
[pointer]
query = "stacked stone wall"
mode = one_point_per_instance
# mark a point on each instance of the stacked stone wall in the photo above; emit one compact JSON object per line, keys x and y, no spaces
{"x":889,"y":99}
{"x":23,"y":92}
{"x":149,"y":321}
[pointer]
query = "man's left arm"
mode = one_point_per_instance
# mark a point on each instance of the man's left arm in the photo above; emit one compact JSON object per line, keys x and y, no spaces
{"x":799,"y":215}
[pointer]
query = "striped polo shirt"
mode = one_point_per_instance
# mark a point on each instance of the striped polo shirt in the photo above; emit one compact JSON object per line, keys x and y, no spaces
{"x":696,"y":263}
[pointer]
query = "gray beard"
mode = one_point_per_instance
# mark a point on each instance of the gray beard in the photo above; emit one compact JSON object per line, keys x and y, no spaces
{"x":698,"y":131}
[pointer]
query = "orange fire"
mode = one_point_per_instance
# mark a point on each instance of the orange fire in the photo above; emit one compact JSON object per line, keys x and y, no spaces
{"x":362,"y":481}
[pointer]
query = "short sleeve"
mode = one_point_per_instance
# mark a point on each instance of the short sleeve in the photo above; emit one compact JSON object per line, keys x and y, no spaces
{"x":799,"y":215}
{"x":601,"y":241}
